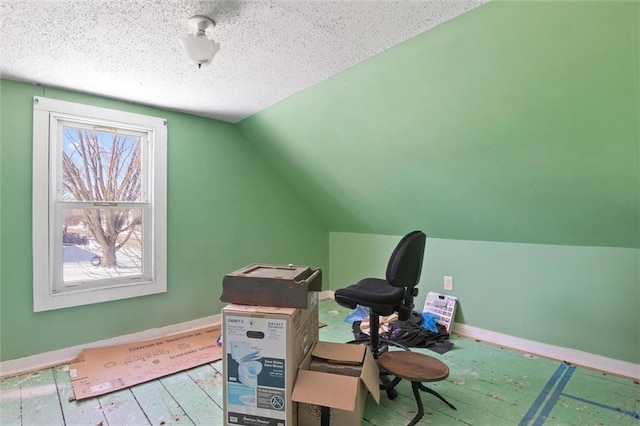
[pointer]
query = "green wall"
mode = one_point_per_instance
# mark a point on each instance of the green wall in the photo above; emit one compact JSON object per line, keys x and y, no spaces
{"x":584,"y":298}
{"x":516,"y":122}
{"x":226,"y":209}
{"x":511,"y":137}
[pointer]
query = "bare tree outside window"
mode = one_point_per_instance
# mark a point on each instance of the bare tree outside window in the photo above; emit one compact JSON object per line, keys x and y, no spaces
{"x":102,"y":168}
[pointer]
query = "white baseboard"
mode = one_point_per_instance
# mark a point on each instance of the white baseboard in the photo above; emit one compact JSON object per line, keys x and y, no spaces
{"x":573,"y":356}
{"x":52,"y":358}
{"x":327,"y":294}
{"x":49,"y":359}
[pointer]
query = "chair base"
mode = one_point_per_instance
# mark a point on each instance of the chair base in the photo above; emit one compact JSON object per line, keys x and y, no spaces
{"x":377,"y":344}
{"x":416,"y":368}
{"x":417,"y":387}
{"x":383,"y":345}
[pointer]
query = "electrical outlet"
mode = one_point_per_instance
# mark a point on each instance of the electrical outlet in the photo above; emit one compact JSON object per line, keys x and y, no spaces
{"x":448,"y":283}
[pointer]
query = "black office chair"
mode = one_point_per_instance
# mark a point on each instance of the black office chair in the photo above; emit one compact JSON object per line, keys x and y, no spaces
{"x":395,"y":294}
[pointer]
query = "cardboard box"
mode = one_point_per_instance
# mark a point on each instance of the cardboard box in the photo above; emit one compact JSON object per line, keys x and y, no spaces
{"x":345,"y":394}
{"x":263,"y":348}
{"x":102,"y":370}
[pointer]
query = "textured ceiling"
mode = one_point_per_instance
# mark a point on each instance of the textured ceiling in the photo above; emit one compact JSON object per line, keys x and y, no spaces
{"x":129,"y":50}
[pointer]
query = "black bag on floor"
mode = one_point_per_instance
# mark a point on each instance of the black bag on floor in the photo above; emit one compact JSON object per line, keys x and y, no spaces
{"x":409,"y":333}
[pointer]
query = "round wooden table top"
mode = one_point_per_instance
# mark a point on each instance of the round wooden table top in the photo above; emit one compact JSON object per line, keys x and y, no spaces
{"x":413,"y":366}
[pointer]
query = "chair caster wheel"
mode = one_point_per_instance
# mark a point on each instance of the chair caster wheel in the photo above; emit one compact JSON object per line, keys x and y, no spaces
{"x":392,"y":394}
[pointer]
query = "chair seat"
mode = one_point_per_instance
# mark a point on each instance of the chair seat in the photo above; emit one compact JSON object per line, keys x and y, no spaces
{"x":414,"y":366}
{"x":375,"y":293}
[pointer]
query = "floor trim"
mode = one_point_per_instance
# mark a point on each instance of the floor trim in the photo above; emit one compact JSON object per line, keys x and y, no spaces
{"x":584,"y":359}
{"x":573,"y":356}
{"x":49,"y":359}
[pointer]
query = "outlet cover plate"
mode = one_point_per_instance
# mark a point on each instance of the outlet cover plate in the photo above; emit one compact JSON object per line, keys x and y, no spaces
{"x":448,"y":283}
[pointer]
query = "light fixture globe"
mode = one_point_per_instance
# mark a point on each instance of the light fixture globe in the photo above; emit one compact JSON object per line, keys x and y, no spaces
{"x":199,"y":47}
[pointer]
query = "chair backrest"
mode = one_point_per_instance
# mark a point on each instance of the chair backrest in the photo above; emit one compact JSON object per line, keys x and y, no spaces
{"x":405,"y":264}
{"x":404,"y":268}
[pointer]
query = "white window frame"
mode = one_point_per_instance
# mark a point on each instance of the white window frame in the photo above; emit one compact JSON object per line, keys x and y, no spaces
{"x":48,"y":293}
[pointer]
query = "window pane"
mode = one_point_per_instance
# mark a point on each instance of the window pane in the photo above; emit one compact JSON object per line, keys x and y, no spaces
{"x":100,"y":165}
{"x":101,"y":243}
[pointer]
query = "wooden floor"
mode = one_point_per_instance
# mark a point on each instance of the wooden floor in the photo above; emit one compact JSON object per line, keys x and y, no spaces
{"x":488,"y":385}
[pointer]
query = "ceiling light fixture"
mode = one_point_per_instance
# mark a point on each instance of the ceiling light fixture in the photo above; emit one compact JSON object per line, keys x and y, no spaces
{"x":199,"y":47}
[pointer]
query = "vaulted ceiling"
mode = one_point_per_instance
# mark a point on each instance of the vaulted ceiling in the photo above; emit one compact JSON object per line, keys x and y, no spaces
{"x":270,"y":49}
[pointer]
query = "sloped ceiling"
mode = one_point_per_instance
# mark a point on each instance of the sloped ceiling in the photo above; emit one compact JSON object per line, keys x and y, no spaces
{"x":270,"y":49}
{"x":517,"y":122}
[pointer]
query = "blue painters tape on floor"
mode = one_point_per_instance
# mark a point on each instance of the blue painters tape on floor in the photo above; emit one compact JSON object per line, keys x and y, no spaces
{"x":608,"y":407}
{"x":554,"y":397}
{"x":542,"y":396}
